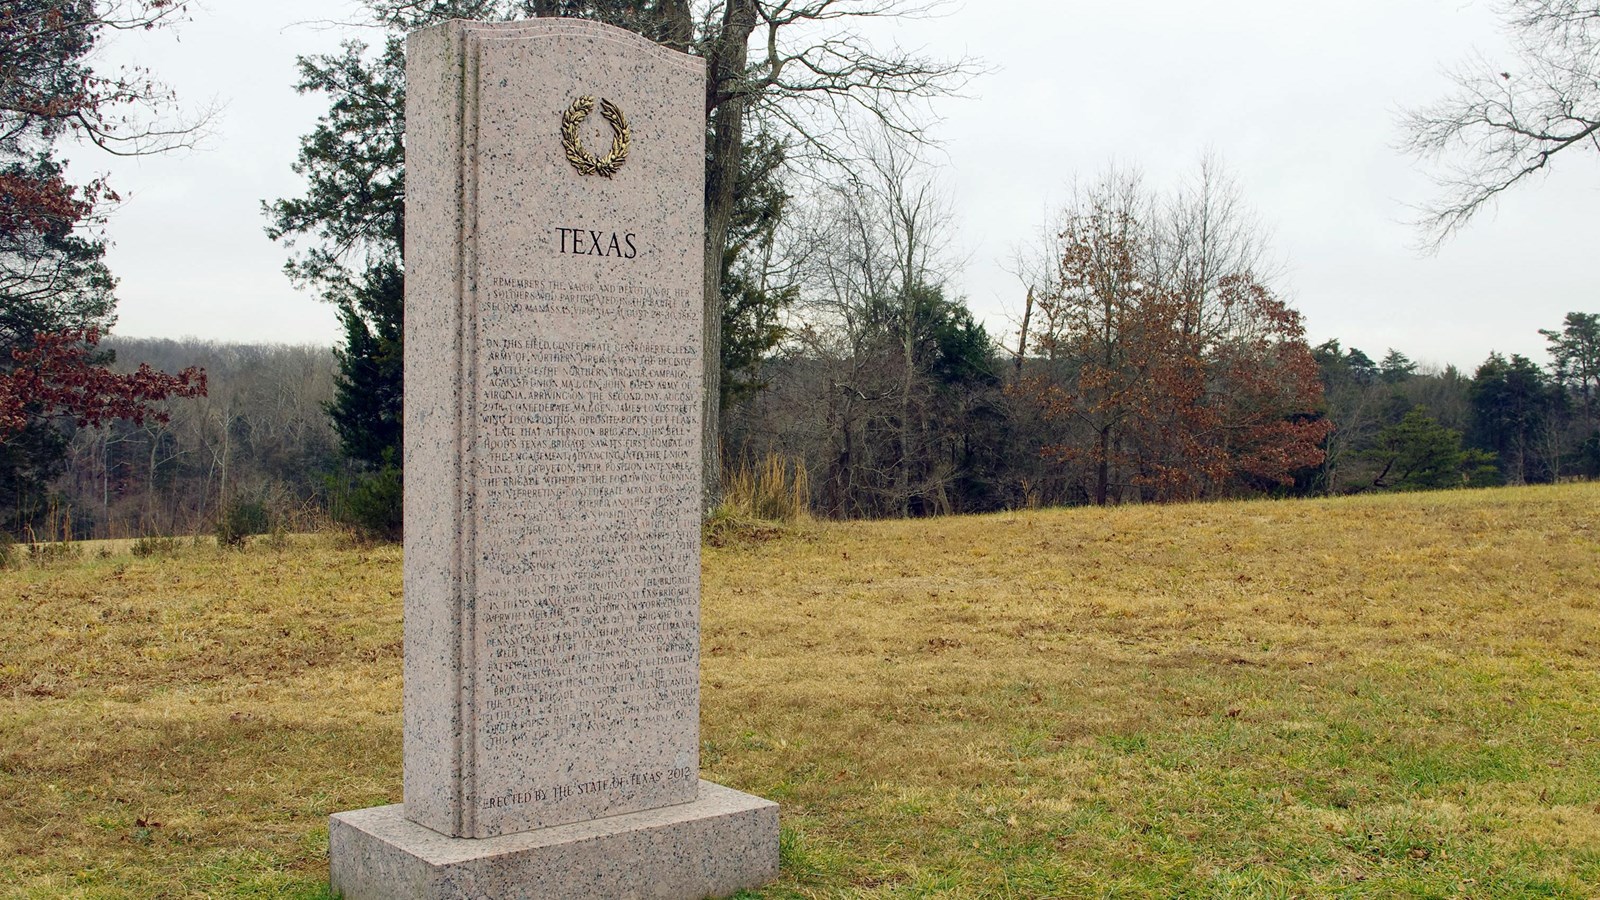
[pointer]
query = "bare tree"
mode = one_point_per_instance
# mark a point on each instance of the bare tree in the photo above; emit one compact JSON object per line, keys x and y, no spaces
{"x":261,"y":435}
{"x":1207,"y":234}
{"x":1036,"y":266}
{"x":916,"y":226}
{"x":872,"y":302}
{"x":1506,"y":122}
{"x":832,"y":337}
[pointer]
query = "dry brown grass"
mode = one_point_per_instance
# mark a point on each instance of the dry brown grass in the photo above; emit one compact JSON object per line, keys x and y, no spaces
{"x":233,"y":698}
{"x":1374,"y":697}
{"x":1367,"y":697}
{"x":777,"y":489}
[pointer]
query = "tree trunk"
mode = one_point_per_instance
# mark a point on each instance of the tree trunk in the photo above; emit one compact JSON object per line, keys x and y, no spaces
{"x":1022,"y":340}
{"x":677,"y":25}
{"x":1103,"y":470}
{"x":725,"y":105}
{"x":150,"y":490}
{"x":902,"y":472}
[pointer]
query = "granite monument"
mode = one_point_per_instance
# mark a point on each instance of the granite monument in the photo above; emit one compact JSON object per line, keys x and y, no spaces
{"x":552,"y":499}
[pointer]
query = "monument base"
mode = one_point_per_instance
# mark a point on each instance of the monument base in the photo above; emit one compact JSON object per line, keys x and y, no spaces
{"x":720,"y":844}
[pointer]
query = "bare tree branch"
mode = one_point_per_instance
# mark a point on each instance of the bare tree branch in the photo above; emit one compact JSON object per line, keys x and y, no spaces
{"x":1503,"y":124}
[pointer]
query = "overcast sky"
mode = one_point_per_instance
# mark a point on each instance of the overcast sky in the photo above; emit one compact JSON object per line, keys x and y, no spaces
{"x":1299,"y":100}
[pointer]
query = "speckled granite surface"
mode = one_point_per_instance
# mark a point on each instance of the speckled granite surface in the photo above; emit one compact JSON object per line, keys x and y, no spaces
{"x":716,"y":846}
{"x":553,"y":346}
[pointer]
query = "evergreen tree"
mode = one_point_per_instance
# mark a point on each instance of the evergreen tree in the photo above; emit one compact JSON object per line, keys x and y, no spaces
{"x":1575,"y":364}
{"x":353,"y":211}
{"x":366,"y":408}
{"x":1340,"y":367}
{"x":966,"y":376}
{"x":1396,"y":367}
{"x":1361,"y":365}
{"x":1514,"y":408}
{"x":1417,"y":453}
{"x":367,"y":403}
{"x":1575,"y":358}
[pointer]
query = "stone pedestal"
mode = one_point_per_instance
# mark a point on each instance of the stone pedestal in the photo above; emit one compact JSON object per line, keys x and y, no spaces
{"x":720,"y":844}
{"x":553,"y":341}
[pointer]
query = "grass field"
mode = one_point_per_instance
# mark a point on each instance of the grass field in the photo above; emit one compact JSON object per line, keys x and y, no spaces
{"x":1393,"y":696}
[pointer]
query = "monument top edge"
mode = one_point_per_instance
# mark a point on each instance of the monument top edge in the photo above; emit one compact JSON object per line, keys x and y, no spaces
{"x":561,"y":26}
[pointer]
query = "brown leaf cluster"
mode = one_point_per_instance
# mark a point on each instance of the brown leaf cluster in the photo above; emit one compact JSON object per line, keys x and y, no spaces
{"x":58,"y":377}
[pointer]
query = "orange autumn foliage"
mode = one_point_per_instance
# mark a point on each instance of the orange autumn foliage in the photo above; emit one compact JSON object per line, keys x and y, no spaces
{"x":1167,"y":391}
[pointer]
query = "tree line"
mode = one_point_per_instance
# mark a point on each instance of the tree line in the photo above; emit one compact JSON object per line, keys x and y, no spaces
{"x":988,"y":430}
{"x":1510,"y":422}
{"x":1154,"y":361}
{"x":259,"y":447}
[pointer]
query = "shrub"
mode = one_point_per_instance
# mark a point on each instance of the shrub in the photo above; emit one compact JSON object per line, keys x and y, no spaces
{"x":8,"y":551}
{"x":277,"y":540}
{"x":47,"y":552}
{"x":241,"y":519}
{"x":371,"y":503}
{"x":726,"y":525}
{"x":155,"y":545}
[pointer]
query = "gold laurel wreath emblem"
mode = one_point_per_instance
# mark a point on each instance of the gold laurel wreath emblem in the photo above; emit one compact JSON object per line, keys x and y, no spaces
{"x":585,"y":162}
